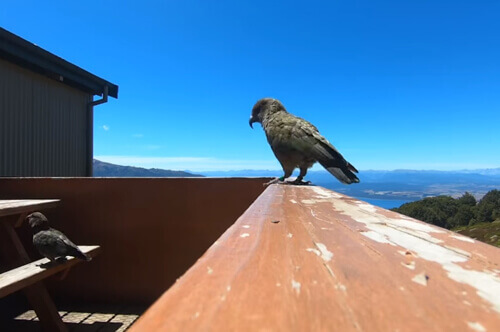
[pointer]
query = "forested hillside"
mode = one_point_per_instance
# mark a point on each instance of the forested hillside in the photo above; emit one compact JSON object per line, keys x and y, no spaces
{"x":480,"y":220}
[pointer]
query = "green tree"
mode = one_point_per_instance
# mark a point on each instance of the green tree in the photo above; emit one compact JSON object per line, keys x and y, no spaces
{"x":434,"y":210}
{"x":464,"y":216}
{"x":444,"y":211}
{"x":467,"y":199}
{"x":488,"y":208}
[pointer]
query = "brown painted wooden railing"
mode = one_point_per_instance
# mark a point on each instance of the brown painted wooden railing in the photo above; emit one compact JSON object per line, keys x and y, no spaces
{"x":304,"y":258}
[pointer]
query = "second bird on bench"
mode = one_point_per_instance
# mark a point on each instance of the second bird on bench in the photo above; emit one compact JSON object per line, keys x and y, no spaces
{"x":51,"y":243}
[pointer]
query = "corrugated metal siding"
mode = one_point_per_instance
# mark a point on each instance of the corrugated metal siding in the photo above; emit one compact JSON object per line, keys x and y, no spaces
{"x":43,"y":125}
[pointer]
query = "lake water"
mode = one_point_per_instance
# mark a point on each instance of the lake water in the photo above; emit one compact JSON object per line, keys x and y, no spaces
{"x":384,"y":203}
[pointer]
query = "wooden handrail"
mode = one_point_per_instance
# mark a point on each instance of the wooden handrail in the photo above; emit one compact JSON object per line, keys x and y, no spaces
{"x":303,"y":258}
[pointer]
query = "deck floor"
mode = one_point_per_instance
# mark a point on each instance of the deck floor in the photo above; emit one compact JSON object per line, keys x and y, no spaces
{"x":84,"y":318}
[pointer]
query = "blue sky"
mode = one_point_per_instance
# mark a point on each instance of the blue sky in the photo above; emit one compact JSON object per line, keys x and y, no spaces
{"x":392,"y":84}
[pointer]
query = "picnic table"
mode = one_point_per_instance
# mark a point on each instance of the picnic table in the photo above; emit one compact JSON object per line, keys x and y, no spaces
{"x":26,"y":275}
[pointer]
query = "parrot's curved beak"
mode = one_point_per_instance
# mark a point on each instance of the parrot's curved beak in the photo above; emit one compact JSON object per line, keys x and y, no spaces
{"x":251,"y":121}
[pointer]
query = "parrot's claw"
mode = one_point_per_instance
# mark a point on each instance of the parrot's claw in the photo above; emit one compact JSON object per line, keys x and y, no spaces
{"x":298,"y":182}
{"x":273,"y":181}
{"x":47,"y":265}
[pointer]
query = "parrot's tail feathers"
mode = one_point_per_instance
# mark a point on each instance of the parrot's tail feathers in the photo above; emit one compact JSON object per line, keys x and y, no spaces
{"x":78,"y":254}
{"x":337,"y":165}
{"x":344,"y":174}
{"x":352,"y":168}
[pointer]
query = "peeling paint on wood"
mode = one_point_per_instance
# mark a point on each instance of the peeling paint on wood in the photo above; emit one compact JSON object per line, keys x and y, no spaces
{"x":462,"y":238}
{"x":417,"y":237}
{"x":476,"y":326}
{"x":420,"y":279}
{"x":296,"y":286}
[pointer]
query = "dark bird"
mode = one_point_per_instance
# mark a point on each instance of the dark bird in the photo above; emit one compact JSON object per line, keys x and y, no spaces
{"x":50,"y":242}
{"x":297,"y":143}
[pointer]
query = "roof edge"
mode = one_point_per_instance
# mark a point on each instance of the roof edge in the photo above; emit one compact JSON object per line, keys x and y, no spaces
{"x":26,"y":54}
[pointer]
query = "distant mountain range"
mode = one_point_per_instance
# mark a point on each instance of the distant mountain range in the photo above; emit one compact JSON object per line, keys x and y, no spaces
{"x":102,"y":169}
{"x":387,"y":189}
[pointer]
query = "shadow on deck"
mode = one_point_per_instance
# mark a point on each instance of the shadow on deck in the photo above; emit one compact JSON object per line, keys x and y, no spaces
{"x":83,"y":318}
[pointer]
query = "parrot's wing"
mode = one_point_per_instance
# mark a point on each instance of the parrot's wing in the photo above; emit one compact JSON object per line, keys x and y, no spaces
{"x":65,"y":247}
{"x":306,"y":138}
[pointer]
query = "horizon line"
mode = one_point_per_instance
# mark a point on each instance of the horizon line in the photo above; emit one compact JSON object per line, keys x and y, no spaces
{"x":318,"y":168}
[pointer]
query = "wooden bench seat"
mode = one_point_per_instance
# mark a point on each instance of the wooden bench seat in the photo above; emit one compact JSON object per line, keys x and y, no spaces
{"x":28,"y":274}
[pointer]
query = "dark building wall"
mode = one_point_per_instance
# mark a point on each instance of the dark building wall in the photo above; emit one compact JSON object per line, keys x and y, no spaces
{"x":43,"y":125}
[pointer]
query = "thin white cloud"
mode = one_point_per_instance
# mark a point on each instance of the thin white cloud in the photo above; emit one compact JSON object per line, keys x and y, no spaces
{"x":105,"y":127}
{"x":191,"y":163}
